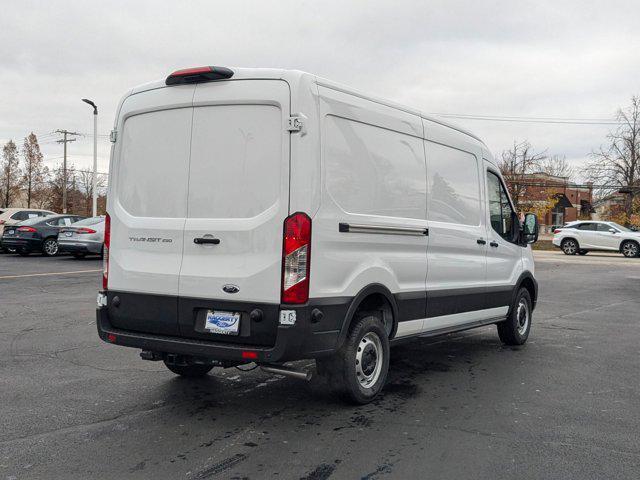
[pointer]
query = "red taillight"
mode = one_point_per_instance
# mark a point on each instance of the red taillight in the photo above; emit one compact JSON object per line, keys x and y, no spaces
{"x":111,"y":338}
{"x":105,"y":255}
{"x":557,"y":230}
{"x":26,"y":229}
{"x":296,"y":258}
{"x":250,"y":355}
{"x":198,"y":74}
{"x":85,"y":230}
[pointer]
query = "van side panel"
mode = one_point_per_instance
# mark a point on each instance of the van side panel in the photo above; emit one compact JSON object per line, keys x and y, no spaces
{"x":456,"y":212}
{"x":373,"y":174}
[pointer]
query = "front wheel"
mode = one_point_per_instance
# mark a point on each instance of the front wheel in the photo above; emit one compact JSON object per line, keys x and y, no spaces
{"x":630,"y":249}
{"x":190,"y":371}
{"x":569,"y":246}
{"x":358,"y":371}
{"x":50,"y":247}
{"x":515,"y":329}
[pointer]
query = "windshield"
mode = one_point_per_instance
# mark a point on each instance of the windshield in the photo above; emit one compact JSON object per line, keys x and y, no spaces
{"x":620,"y":227}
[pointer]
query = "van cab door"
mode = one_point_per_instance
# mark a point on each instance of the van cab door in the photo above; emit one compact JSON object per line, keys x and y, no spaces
{"x":238,"y":196}
{"x":504,"y":257}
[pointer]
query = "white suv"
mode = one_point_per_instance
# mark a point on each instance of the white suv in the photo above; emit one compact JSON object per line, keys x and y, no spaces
{"x":267,"y":216}
{"x":583,"y":236}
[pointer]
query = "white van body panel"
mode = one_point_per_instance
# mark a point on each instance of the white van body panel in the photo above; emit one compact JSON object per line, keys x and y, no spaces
{"x":361,"y":140}
{"x":456,"y":216}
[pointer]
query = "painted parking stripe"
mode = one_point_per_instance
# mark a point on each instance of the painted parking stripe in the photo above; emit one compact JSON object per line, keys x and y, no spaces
{"x":50,"y":274}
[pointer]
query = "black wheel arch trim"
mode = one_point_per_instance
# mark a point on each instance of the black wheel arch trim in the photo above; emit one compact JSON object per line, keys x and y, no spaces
{"x":374,"y":288}
{"x":528,"y":276}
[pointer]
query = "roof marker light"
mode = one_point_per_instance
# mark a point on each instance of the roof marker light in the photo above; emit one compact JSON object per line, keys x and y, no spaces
{"x":198,"y":75}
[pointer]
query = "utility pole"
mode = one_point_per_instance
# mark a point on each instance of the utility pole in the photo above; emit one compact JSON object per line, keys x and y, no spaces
{"x":64,"y":141}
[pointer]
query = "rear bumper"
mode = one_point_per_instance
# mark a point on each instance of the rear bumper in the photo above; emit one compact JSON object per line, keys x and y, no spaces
{"x":556,"y":241}
{"x":20,"y":243}
{"x":305,"y":339}
{"x":79,"y":247}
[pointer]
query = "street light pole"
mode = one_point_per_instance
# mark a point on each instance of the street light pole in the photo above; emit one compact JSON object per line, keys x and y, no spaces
{"x":95,"y":156}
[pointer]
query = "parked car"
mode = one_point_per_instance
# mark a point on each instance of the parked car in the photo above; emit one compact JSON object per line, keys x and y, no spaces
{"x":12,"y":216}
{"x":37,"y":234}
{"x":581,"y":237}
{"x":85,"y":237}
{"x":238,"y":232}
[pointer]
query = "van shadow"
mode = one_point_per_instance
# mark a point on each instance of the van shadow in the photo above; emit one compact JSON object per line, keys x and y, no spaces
{"x":416,"y":367}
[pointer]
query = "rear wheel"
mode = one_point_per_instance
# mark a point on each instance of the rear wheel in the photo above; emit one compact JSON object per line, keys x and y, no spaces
{"x":190,"y":371}
{"x":630,"y":249}
{"x":358,"y":371}
{"x":50,"y":247}
{"x":569,"y":246}
{"x":515,"y":329}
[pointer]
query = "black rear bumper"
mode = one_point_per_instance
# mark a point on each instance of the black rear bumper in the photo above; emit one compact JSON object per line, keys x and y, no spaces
{"x":307,"y":338}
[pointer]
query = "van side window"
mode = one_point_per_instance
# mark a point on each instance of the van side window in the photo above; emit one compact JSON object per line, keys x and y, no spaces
{"x":453,"y":189}
{"x":500,"y":210}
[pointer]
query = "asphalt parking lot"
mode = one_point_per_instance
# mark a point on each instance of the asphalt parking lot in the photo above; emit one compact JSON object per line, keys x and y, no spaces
{"x":565,"y":406}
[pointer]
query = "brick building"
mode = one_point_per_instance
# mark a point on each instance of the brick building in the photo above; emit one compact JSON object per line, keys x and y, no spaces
{"x":570,"y":201}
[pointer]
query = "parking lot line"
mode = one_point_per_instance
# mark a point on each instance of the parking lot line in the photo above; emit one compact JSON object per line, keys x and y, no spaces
{"x":49,"y":274}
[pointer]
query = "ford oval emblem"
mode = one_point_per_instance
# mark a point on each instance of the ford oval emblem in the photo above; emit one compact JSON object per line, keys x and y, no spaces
{"x":231,"y":288}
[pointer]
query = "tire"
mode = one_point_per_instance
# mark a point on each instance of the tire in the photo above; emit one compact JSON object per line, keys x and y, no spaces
{"x":583,"y":252}
{"x":50,"y":247}
{"x":515,"y":329}
{"x":630,"y":249}
{"x":358,"y":370}
{"x":189,"y":371}
{"x":569,"y":246}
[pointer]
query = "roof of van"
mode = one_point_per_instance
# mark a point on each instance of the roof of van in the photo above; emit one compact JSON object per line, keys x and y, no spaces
{"x":294,"y":76}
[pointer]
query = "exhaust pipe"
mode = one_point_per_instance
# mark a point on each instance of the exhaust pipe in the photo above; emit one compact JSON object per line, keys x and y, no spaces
{"x":287,"y":371}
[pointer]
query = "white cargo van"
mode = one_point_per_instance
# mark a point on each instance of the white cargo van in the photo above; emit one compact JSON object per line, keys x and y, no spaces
{"x":266,"y":216}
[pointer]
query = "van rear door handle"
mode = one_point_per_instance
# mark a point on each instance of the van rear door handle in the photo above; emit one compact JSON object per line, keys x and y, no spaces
{"x":494,"y":244}
{"x":481,"y":241}
{"x":203,"y":240}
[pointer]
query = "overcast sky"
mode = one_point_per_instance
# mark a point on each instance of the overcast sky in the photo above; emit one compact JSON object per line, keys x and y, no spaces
{"x":564,"y":59}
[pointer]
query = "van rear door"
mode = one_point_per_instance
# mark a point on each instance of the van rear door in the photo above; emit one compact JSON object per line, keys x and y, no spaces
{"x":148,"y":208}
{"x":238,"y":198}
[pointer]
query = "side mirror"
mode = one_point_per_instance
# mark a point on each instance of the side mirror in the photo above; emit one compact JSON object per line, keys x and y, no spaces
{"x":613,"y":230}
{"x":530,"y":228}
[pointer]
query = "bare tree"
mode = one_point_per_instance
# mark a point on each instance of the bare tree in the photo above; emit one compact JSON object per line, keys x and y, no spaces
{"x":557,"y":166}
{"x":34,"y":169}
{"x":618,"y":163}
{"x":85,"y":185}
{"x":515,"y":164}
{"x":10,"y":173}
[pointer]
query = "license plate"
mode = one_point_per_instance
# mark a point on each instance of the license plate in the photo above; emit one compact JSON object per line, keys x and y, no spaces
{"x":68,"y":234}
{"x":225,"y":323}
